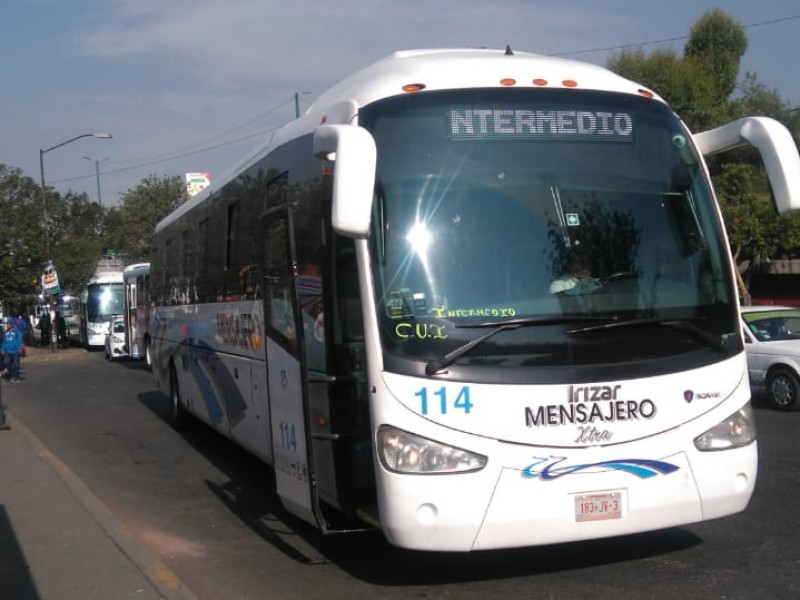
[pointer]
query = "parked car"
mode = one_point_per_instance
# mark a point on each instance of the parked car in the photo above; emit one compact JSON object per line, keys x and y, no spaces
{"x":772,"y":341}
{"x":115,"y":339}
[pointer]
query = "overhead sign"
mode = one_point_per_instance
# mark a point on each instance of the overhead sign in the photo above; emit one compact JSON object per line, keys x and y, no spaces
{"x":197,"y":182}
{"x":559,"y":124}
{"x":50,"y":283}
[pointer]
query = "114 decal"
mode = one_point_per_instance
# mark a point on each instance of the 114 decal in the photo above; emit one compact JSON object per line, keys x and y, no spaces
{"x":442,"y":401}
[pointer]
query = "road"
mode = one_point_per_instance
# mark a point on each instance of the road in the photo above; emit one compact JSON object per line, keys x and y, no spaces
{"x":209,"y":512}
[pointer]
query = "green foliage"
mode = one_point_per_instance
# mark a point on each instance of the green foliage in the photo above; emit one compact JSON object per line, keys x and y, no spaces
{"x":76,"y":259}
{"x":687,"y":88}
{"x":21,"y":240}
{"x":700,"y":87}
{"x":716,"y":45}
{"x":74,"y":229}
{"x":748,"y":214}
{"x":130,"y":225}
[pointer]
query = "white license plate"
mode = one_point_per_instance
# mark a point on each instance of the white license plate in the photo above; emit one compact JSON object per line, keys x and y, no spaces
{"x":598,"y":507}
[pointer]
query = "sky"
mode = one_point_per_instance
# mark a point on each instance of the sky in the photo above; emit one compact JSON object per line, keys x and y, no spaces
{"x":195,"y":85}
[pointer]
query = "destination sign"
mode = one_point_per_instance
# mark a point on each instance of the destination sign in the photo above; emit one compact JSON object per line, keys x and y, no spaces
{"x":557,"y":124}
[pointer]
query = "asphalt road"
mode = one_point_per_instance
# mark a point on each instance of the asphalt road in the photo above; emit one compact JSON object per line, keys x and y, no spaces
{"x":209,"y":512}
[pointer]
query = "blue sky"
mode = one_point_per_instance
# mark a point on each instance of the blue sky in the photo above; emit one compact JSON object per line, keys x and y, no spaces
{"x":170,"y":78}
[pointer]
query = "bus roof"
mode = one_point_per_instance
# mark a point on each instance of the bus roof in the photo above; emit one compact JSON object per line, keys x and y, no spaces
{"x":136,"y":269}
{"x":434,"y":69}
{"x":487,"y":68}
{"x":106,"y":277}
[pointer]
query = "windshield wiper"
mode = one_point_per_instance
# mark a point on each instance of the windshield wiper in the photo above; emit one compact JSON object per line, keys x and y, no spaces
{"x":448,"y":359}
{"x":712,"y":340}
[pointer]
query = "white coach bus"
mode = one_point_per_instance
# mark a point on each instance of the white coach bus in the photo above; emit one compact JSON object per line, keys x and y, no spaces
{"x":375,"y":304}
{"x":100,"y":301}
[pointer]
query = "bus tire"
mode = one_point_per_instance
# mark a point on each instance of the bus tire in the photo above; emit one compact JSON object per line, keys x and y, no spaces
{"x":783,"y":389}
{"x":148,"y":358}
{"x":179,"y":417}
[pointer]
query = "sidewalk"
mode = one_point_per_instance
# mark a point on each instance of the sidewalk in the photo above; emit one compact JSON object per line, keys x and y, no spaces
{"x":57,"y":540}
{"x":37,"y":353}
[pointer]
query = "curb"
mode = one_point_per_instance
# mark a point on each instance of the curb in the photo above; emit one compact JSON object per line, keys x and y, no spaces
{"x":165,"y":581}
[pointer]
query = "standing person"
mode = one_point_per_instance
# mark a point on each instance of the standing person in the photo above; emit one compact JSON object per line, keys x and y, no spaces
{"x":22,"y":325}
{"x":12,"y":347}
{"x":61,"y":330}
{"x":44,"y":329}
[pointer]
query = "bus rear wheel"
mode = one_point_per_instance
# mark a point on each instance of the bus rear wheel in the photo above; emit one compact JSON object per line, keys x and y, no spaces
{"x":179,"y":417}
{"x":783,"y":389}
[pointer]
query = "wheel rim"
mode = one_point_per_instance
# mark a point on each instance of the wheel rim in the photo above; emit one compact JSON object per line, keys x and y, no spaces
{"x":782,"y":391}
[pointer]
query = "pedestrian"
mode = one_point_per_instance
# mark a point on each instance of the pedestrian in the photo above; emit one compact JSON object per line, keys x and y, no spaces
{"x":44,"y":329}
{"x":61,"y":330}
{"x":12,"y":347}
{"x":21,"y":325}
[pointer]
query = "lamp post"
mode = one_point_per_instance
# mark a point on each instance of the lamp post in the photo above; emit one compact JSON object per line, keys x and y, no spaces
{"x":297,"y":103}
{"x":53,"y":300}
{"x":97,"y":162}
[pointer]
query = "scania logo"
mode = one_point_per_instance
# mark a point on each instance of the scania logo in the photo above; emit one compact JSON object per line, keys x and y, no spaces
{"x":689,"y":395}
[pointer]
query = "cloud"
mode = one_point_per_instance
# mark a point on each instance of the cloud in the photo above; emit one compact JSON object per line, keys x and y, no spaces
{"x":238,"y":42}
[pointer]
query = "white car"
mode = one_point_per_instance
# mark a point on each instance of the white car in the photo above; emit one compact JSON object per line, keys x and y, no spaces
{"x":772,"y":342}
{"x":115,"y":339}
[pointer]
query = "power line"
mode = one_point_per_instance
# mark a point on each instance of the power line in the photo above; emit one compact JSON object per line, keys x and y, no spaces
{"x":665,"y":40}
{"x":155,"y":161}
{"x":192,"y":150}
{"x":171,"y":154}
{"x":189,"y":150}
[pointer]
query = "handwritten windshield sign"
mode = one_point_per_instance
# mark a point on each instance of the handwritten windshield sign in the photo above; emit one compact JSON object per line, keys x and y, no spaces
{"x":540,"y":124}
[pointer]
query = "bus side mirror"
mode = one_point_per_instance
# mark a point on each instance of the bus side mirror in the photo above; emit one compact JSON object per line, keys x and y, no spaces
{"x":352,"y":149}
{"x":777,"y":149}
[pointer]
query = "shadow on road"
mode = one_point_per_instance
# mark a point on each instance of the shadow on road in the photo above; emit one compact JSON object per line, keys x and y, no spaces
{"x":250,"y":495}
{"x":15,"y":574}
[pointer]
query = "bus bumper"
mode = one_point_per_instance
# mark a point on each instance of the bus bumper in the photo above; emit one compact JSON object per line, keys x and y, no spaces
{"x":524,"y":508}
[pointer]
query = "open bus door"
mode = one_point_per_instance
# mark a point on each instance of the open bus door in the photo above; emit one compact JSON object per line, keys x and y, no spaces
{"x":319,"y":422}
{"x":294,"y":473}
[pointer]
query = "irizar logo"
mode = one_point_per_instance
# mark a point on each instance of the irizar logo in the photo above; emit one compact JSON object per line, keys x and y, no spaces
{"x":590,"y":404}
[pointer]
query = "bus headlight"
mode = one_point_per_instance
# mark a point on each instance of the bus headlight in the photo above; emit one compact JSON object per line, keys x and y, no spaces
{"x":403,"y":452}
{"x":737,"y":430}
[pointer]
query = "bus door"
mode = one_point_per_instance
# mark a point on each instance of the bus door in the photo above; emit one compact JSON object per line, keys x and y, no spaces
{"x":294,"y":473}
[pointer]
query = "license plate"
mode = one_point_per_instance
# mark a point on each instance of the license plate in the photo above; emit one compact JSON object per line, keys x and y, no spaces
{"x":598,"y":507}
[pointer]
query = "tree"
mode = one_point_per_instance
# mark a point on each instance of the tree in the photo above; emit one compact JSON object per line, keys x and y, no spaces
{"x":130,"y":225}
{"x":73,"y":232}
{"x":684,"y":85}
{"x":700,"y":87}
{"x":716,"y":45}
{"x":21,"y":240}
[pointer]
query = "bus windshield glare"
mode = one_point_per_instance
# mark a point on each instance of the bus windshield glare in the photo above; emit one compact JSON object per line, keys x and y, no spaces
{"x":548,"y":208}
{"x":104,"y":300}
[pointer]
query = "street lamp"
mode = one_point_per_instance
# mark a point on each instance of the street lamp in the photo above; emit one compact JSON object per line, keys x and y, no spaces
{"x":102,"y":136}
{"x":97,"y":162}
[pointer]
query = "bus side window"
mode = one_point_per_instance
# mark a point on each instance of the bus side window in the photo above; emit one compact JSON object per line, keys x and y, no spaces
{"x":278,"y":280}
{"x":349,"y":300}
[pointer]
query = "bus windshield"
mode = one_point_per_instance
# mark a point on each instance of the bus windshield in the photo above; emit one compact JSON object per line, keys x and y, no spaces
{"x":548,"y":207}
{"x":104,"y":300}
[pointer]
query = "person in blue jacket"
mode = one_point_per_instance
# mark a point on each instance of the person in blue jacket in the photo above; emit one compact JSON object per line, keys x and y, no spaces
{"x":12,"y":347}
